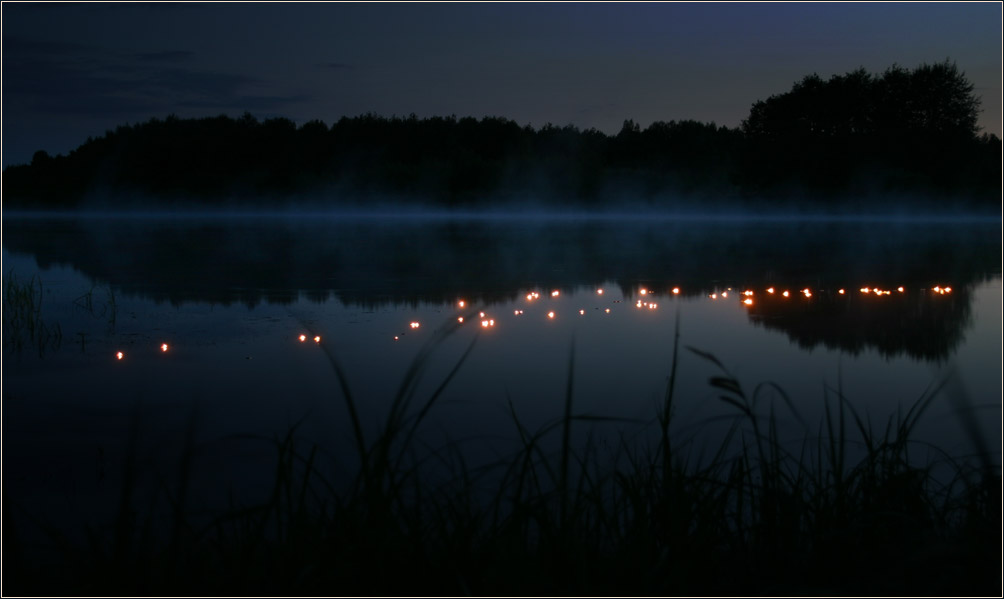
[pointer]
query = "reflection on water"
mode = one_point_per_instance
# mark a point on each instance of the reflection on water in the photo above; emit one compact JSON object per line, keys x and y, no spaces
{"x":240,"y":324}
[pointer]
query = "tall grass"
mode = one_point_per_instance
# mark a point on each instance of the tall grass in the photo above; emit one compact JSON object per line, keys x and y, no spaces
{"x":24,"y":327}
{"x":648,"y":517}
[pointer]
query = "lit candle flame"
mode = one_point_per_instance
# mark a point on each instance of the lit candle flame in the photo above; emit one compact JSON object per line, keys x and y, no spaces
{"x":748,"y":302}
{"x":865,"y":290}
{"x":899,"y":289}
{"x":163,"y":347}
{"x":725,"y":294}
{"x":317,"y":339}
{"x":770,"y":290}
{"x":415,"y":325}
{"x":550,"y":314}
{"x":119,"y":355}
{"x":948,"y":289}
{"x":302,"y":338}
{"x":785,"y":294}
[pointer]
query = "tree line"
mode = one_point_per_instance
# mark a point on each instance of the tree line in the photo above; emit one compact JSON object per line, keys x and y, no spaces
{"x":899,"y":133}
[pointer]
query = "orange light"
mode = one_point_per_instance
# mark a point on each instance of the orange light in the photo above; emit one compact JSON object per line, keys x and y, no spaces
{"x":725,"y":294}
{"x":841,"y":292}
{"x":302,"y":338}
{"x":163,"y":347}
{"x":599,"y":292}
{"x":747,"y":293}
{"x":415,"y":325}
{"x":460,"y":319}
{"x":317,"y":338}
{"x":484,"y":323}
{"x":714,"y":296}
{"x":461,"y":303}
{"x":555,"y":293}
{"x":582,"y":312}
{"x":948,"y":289}
{"x":865,"y":290}
{"x":607,"y":310}
{"x":653,"y":306}
{"x":748,"y":302}
{"x":785,"y":294}
{"x":550,"y":314}
{"x":643,"y":291}
{"x":119,"y":355}
{"x":770,"y":290}
{"x":529,"y":297}
{"x":899,"y":289}
{"x":676,"y":290}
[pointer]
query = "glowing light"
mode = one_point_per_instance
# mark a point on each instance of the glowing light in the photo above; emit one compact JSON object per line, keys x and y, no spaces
{"x":841,"y":292}
{"x":806,"y":292}
{"x":643,"y":291}
{"x":317,"y":339}
{"x":396,"y":337}
{"x":948,"y":289}
{"x":119,"y":355}
{"x":582,"y":312}
{"x":748,"y":302}
{"x":785,"y":294}
{"x":899,"y":289}
{"x":481,"y":314}
{"x":865,"y":290}
{"x":653,"y":306}
{"x":302,"y":338}
{"x":415,"y":325}
{"x":529,"y":297}
{"x":607,"y":310}
{"x":638,"y":304}
{"x":725,"y":294}
{"x":163,"y":347}
{"x":876,"y":290}
{"x":461,"y":303}
{"x":599,"y":292}
{"x":714,"y":296}
{"x":770,"y":290}
{"x":747,"y":293}
{"x":550,"y":314}
{"x":460,"y":319}
{"x":676,"y":290}
{"x":484,"y":323}
{"x":555,"y":293}
{"x":491,"y":322}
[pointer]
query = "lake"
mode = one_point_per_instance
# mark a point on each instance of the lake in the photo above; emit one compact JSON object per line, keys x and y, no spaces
{"x":137,"y":337}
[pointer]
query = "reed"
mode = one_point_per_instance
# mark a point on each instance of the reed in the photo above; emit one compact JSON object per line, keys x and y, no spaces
{"x":552,"y":518}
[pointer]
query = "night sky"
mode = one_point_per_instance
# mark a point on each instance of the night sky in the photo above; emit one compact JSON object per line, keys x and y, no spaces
{"x":73,"y":71}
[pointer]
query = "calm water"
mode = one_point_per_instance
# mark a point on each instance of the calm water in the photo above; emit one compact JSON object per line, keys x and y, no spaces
{"x":231,"y":298}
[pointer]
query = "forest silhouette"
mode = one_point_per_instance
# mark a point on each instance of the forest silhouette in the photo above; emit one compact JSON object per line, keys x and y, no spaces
{"x":854,"y":140}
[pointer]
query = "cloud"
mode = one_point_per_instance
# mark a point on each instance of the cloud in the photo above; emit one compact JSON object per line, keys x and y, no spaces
{"x":165,"y":56}
{"x":56,"y":78}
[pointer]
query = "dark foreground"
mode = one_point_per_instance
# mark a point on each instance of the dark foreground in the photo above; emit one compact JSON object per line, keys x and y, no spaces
{"x":849,"y":512}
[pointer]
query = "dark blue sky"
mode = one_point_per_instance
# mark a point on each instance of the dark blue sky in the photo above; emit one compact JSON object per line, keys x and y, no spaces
{"x":73,"y":71}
